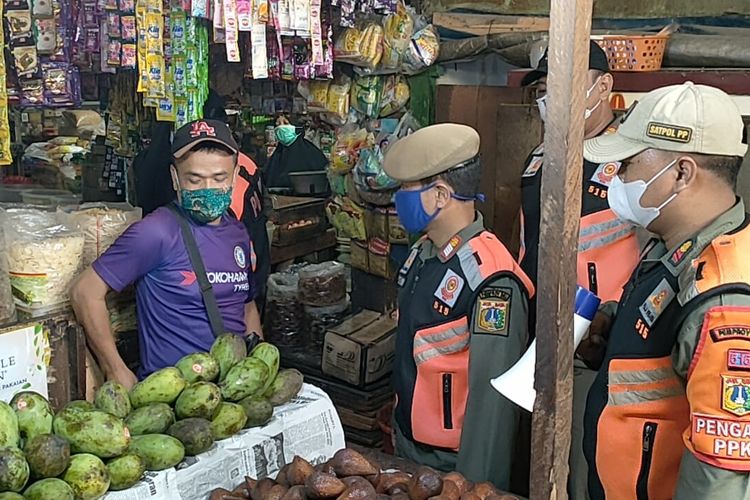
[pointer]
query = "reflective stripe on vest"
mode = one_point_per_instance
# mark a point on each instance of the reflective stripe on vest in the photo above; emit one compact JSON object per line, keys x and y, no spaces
{"x":608,"y":248}
{"x":431,"y":364}
{"x":645,"y":415}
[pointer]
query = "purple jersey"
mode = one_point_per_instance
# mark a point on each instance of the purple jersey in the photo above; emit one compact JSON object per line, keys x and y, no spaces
{"x":172,"y":319}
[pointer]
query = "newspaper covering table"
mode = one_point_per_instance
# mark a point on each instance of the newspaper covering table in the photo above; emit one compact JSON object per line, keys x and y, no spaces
{"x":308,"y":426}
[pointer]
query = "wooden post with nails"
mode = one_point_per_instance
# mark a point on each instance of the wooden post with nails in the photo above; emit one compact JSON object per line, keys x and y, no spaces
{"x":570,"y":26}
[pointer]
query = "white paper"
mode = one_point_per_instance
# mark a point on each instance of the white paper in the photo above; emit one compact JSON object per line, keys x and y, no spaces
{"x":308,"y":426}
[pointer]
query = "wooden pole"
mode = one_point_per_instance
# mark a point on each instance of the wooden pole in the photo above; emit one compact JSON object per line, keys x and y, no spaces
{"x":570,"y":26}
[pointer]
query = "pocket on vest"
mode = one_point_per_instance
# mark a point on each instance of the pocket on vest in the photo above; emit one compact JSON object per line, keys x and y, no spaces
{"x":441,"y":354}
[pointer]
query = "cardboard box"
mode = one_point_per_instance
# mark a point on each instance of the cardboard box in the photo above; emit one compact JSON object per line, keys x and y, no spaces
{"x":361,"y":349}
{"x":373,"y":292}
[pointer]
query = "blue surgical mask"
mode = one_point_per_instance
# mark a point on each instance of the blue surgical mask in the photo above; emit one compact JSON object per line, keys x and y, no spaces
{"x":410,"y":210}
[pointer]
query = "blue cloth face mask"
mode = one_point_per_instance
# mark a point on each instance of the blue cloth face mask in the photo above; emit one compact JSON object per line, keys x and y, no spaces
{"x":411,"y":212}
{"x":207,"y":204}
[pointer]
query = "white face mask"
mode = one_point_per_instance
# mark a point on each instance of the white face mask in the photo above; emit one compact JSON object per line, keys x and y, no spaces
{"x":625,"y":199}
{"x":542,"y":104}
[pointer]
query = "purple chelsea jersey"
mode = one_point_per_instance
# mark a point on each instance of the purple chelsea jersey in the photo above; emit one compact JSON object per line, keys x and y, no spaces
{"x":172,"y":319}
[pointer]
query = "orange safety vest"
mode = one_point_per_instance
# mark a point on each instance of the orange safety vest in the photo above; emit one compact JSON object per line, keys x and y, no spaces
{"x":608,"y":249}
{"x":718,"y":381}
{"x":241,"y":185}
{"x":639,"y":411}
{"x":431,"y":367}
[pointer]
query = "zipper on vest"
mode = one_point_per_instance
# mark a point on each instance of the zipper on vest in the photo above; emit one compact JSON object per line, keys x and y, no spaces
{"x":447,"y":400}
{"x":647,"y":451}
{"x":593,"y":281}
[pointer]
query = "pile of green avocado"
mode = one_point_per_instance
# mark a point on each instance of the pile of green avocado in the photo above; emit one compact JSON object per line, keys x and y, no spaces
{"x":88,"y":449}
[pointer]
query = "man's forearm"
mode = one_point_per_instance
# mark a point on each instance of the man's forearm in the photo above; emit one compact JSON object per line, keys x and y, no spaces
{"x":252,"y":319}
{"x":93,"y":314}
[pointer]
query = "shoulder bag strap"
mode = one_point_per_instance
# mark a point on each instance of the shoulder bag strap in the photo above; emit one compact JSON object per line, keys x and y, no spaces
{"x":207,"y":291}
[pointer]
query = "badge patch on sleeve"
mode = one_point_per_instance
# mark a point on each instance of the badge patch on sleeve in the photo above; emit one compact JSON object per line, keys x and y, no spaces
{"x":735,"y":395}
{"x":657,"y":301}
{"x":492,"y":311}
{"x":605,"y":172}
{"x":450,"y":288}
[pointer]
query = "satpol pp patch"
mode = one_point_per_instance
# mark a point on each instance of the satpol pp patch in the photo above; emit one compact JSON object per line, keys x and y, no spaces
{"x":735,"y":395}
{"x":657,"y":301}
{"x":450,"y":288}
{"x":605,"y":173}
{"x":492,"y":311}
{"x":667,"y":132}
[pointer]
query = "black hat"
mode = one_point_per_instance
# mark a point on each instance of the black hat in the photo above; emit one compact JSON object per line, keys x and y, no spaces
{"x":199,"y":131}
{"x":597,"y":60}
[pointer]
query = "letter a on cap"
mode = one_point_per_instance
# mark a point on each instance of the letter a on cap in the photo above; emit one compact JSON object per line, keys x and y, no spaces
{"x":202,"y":128}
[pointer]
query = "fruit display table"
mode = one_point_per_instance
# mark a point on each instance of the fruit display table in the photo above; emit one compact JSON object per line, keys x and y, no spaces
{"x":308,"y":426}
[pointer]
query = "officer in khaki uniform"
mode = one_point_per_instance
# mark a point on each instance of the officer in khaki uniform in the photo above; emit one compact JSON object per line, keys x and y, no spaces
{"x":669,"y":413}
{"x":462,"y":312}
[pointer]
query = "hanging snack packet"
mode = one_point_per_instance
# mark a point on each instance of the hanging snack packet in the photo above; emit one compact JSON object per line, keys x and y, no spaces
{"x":423,"y":50}
{"x":398,"y":29}
{"x":199,"y":8}
{"x":113,"y":25}
{"x":128,"y":28}
{"x":18,"y":16}
{"x":114,"y":49}
{"x":177,"y":31}
{"x":129,"y":56}
{"x":178,"y":67}
{"x":244,"y":15}
{"x":366,"y":94}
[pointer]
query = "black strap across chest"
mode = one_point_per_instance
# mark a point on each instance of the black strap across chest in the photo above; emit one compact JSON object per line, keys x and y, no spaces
{"x":207,"y":290}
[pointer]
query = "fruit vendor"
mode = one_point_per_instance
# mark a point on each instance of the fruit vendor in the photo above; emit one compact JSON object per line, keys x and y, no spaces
{"x":173,"y":319}
{"x":462,"y":312}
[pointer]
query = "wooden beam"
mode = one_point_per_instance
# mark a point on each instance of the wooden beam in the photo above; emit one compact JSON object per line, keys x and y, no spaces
{"x":486,"y":24}
{"x":560,"y":213}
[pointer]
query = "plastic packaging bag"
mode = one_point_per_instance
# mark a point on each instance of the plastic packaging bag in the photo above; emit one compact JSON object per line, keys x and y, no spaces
{"x":361,"y":45}
{"x":285,"y":316}
{"x":44,"y":256}
{"x":366,"y":94}
{"x":423,"y":52}
{"x":395,"y":95}
{"x":322,"y":284}
{"x":337,"y":102}
{"x":321,"y":319}
{"x":398,"y":29}
{"x":101,"y":224}
{"x":350,"y":141}
{"x":7,"y":305}
{"x":347,"y":217}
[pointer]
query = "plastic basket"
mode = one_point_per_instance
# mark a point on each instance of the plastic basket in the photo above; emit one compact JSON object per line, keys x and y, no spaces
{"x":634,"y":52}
